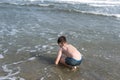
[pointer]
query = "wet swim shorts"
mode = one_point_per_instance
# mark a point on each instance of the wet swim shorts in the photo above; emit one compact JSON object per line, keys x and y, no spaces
{"x":72,"y":62}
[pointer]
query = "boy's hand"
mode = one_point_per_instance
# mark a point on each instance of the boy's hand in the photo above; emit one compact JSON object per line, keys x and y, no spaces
{"x":56,"y":63}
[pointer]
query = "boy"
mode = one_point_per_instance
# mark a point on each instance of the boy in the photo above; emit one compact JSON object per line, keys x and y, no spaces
{"x":68,"y":54}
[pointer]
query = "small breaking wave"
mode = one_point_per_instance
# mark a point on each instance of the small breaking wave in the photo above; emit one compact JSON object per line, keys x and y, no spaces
{"x":90,"y":12}
{"x":30,"y":4}
{"x":97,"y":13}
{"x":96,"y":7}
{"x":13,"y":72}
{"x":63,"y":1}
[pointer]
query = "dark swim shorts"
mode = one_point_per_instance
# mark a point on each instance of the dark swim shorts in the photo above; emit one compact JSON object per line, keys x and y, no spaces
{"x":72,"y":62}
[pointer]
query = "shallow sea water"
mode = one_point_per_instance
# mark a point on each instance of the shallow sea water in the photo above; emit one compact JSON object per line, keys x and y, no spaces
{"x":28,"y":36}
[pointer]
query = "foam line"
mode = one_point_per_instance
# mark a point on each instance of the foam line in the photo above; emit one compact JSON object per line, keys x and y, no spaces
{"x":1,"y":56}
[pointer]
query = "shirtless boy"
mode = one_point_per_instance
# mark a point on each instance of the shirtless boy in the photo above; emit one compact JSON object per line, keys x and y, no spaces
{"x":68,"y":54}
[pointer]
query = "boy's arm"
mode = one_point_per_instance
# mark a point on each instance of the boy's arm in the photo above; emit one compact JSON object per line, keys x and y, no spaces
{"x":58,"y":56}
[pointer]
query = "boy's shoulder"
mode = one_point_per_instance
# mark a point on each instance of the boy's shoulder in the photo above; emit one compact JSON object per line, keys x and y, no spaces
{"x":70,"y":45}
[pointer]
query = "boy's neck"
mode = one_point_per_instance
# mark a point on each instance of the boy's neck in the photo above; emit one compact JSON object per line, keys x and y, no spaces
{"x":65,"y":44}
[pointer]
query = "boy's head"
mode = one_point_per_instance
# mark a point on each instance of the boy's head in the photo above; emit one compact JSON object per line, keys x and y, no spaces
{"x":61,"y":40}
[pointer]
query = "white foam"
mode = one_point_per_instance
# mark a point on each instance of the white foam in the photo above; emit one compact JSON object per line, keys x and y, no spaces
{"x":13,"y":32}
{"x":45,"y":68}
{"x":18,"y":62}
{"x":51,"y":39}
{"x":37,"y":46}
{"x":32,"y":58}
{"x":117,"y":15}
{"x":6,"y":69}
{"x":5,"y":51}
{"x":102,"y":5}
{"x":1,"y":56}
{"x":98,"y":13}
{"x":22,"y":49}
{"x":48,"y":51}
{"x":44,"y":46}
{"x":11,"y":74}
{"x":51,"y":47}
{"x":21,"y":79}
{"x":10,"y":43}
{"x":61,"y":33}
{"x":83,"y":49}
{"x":84,"y":1}
{"x":119,"y":35}
{"x":32,"y":50}
{"x":42,"y":78}
{"x":60,"y":77}
{"x":97,"y":1}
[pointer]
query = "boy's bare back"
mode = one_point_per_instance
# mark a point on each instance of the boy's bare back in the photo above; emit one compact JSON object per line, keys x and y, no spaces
{"x":70,"y":51}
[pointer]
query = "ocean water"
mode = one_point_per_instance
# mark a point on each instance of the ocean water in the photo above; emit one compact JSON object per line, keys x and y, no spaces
{"x":28,"y":38}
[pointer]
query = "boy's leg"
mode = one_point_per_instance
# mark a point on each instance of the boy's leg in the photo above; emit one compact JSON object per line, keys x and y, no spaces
{"x":62,"y":60}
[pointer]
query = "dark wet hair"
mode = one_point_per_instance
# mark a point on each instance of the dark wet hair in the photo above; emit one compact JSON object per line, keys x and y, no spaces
{"x":61,"y":39}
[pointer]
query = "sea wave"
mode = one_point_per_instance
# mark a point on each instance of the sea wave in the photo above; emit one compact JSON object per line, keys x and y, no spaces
{"x":90,"y":12}
{"x":100,"y":14}
{"x":69,"y":1}
{"x":96,"y":7}
{"x":107,"y":2}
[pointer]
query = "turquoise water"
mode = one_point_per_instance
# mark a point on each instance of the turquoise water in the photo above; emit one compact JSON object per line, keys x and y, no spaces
{"x":29,"y":31}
